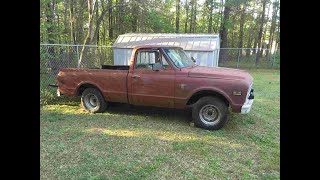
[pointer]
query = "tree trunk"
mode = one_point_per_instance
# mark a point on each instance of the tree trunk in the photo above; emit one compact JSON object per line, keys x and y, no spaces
{"x":58,"y":24}
{"x":224,"y":32}
{"x":141,"y":26}
{"x":52,"y":62}
{"x":65,"y":16}
{"x":119,"y":17}
{"x":194,"y":26}
{"x":255,"y":41}
{"x":273,"y":25}
{"x":73,"y":37}
{"x":110,"y":20}
{"x":232,"y":32}
{"x":210,"y":16}
{"x":248,"y":51}
{"x":104,"y":32}
{"x":134,"y":16}
{"x":121,"y":14}
{"x":177,"y":15}
{"x":232,"y":38}
{"x":50,"y":22}
{"x":80,"y":21}
{"x":98,"y":22}
{"x":191,"y":17}
{"x":221,"y":14}
{"x":255,"y":29}
{"x":278,"y":35}
{"x":89,"y":37}
{"x":263,"y":44}
{"x":259,"y":53}
{"x":240,"y":45}
{"x":96,"y":33}
{"x":186,"y":22}
{"x":114,"y":19}
{"x":252,"y":36}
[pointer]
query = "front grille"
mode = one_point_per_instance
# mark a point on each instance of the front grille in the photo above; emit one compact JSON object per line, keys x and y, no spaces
{"x":251,"y":95}
{"x":249,"y":91}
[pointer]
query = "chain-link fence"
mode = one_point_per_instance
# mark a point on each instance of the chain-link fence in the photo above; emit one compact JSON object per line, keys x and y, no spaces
{"x":53,"y":57}
{"x":246,"y":58}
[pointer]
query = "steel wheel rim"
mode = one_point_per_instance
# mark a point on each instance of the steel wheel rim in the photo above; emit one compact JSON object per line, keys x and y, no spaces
{"x":209,"y":114}
{"x":91,"y":101}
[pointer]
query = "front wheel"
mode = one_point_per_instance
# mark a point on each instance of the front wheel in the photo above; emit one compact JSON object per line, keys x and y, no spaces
{"x":93,"y":101}
{"x":210,"y":113}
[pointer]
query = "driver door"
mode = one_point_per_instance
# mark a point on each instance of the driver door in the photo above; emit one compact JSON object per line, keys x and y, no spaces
{"x":152,"y":87}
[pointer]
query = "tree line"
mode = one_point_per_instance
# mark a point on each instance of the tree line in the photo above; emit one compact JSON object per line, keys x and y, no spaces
{"x":240,"y":23}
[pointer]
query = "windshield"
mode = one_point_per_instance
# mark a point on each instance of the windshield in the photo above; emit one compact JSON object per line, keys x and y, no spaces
{"x":179,"y":57}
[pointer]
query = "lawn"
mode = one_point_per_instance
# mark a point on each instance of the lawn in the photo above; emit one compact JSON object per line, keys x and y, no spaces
{"x":151,"y":143}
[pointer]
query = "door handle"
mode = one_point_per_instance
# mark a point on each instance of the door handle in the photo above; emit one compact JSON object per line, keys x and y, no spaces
{"x":135,"y":76}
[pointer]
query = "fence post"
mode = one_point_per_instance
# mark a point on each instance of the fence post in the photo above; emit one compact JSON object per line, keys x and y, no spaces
{"x":238,"y":58}
{"x":78,"y":56}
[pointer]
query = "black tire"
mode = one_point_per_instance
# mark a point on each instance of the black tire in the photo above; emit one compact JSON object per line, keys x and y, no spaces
{"x":93,"y":101}
{"x":213,"y":115}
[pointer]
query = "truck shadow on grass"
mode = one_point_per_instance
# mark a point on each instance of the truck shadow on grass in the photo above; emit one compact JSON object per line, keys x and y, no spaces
{"x":119,"y":109}
{"x":71,"y":105}
{"x":126,"y":109}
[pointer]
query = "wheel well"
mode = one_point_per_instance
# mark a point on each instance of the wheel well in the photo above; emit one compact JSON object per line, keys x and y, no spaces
{"x":85,"y":86}
{"x":195,"y":97}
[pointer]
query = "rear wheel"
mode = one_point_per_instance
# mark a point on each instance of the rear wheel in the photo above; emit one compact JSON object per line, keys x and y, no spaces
{"x":93,"y":101}
{"x":210,"y":113}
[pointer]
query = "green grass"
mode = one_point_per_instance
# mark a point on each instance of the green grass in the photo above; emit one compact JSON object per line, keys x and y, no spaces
{"x":152,"y":143}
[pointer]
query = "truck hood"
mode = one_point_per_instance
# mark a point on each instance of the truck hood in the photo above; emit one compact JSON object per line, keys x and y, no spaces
{"x":220,"y":73}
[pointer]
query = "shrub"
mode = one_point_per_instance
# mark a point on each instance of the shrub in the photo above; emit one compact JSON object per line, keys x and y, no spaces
{"x":45,"y":97}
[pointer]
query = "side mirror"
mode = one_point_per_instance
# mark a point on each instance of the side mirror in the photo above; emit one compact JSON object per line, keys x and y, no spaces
{"x":156,"y":66}
{"x":193,"y":59}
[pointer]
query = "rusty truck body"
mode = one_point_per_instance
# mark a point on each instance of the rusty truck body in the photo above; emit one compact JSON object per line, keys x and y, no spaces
{"x":163,"y":76}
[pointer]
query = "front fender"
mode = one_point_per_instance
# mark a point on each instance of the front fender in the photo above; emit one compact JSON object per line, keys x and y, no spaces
{"x":216,"y":90}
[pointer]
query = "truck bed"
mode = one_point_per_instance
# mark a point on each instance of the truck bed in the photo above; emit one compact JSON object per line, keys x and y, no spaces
{"x":111,"y":80}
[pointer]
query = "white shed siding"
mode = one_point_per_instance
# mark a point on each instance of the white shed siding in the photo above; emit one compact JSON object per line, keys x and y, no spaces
{"x":122,"y":56}
{"x":203,"y":47}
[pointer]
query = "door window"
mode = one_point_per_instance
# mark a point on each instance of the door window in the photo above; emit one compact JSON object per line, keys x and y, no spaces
{"x":146,"y":58}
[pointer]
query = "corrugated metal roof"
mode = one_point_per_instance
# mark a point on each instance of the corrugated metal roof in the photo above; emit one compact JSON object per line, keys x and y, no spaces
{"x":200,"y":42}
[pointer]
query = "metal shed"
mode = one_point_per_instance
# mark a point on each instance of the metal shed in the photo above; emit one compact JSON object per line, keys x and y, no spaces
{"x":203,"y":47}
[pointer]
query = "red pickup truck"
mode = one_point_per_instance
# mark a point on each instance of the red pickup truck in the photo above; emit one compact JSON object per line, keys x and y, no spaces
{"x":162,"y":76}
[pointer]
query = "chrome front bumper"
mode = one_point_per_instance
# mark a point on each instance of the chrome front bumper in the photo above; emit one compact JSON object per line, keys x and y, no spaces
{"x":246,"y":107}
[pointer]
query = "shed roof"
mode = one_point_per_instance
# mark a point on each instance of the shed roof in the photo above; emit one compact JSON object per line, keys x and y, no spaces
{"x":196,"y":42}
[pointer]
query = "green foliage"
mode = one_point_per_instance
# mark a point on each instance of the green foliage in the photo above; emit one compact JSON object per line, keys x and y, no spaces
{"x":159,"y":23}
{"x":155,"y":17}
{"x":276,"y":59}
{"x":45,"y":97}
